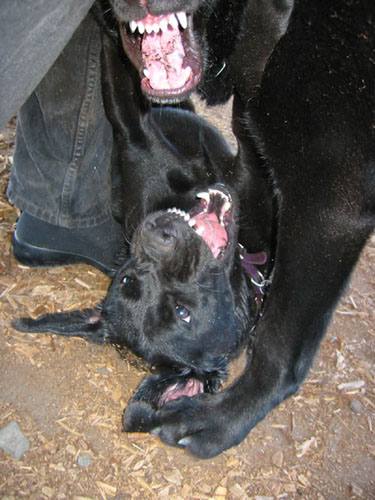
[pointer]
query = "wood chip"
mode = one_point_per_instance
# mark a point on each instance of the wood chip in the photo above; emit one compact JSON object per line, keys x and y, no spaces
{"x":107,"y":489}
{"x":350,"y":386}
{"x":237,"y":491}
{"x":174,"y":477}
{"x":302,"y":479}
{"x":278,"y":459}
{"x":304,"y":447}
{"x":48,"y":492}
{"x":221,"y":491}
{"x":82,"y":283}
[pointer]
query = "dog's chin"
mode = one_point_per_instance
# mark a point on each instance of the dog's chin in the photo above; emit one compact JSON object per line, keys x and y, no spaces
{"x":166,"y":53}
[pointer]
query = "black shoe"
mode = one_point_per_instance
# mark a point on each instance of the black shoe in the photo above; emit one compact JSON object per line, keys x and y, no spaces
{"x":38,"y":243}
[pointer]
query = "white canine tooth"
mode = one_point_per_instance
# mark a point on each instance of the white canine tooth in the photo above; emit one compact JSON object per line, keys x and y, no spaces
{"x":187,"y":217}
{"x":181,"y":16}
{"x":146,"y":73}
{"x":191,"y":222}
{"x":163,"y":25}
{"x":204,"y":196}
{"x":220,"y":193}
{"x":226,"y":206}
{"x":133,"y":26}
{"x":141,"y":27}
{"x":173,"y":21}
{"x":200,"y":230}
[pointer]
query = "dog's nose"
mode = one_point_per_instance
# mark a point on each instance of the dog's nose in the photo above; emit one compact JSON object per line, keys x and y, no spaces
{"x":161,"y":231}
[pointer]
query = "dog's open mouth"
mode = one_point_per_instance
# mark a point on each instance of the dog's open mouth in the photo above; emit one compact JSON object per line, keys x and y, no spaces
{"x":164,"y":50}
{"x":211,"y":219}
{"x":189,"y":388}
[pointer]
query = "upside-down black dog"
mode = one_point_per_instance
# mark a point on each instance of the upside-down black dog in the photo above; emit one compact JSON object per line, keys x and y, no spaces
{"x":305,"y":115}
{"x":183,"y":299}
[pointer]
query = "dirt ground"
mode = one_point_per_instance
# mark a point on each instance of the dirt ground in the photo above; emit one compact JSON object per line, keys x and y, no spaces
{"x":68,"y":397}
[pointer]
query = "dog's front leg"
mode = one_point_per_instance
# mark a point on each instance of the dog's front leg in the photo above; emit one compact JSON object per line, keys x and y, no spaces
{"x":299,"y":306}
{"x":316,"y":117}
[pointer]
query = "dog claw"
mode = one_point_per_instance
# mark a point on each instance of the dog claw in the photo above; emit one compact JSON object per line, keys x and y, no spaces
{"x":184,"y":442}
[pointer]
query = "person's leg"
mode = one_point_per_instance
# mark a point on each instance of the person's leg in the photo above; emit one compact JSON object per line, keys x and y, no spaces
{"x":32,"y":35}
{"x":61,"y":177}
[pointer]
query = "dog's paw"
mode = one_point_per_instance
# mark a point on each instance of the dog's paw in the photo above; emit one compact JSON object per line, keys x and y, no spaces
{"x":139,"y":416}
{"x":201,"y":424}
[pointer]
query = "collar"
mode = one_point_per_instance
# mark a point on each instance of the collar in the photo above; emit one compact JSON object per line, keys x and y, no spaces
{"x":249,"y":262}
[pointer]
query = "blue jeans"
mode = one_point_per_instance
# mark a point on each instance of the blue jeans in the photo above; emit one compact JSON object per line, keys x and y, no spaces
{"x":50,"y":75}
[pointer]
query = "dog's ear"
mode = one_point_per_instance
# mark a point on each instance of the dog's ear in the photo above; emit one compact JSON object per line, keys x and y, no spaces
{"x":88,"y":324}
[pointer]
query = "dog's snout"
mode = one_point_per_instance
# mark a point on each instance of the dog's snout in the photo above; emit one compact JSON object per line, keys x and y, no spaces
{"x":161,"y":231}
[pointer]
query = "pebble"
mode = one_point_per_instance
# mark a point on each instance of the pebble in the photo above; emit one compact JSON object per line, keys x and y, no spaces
{"x":356,"y":406}
{"x":84,"y":460}
{"x":13,"y":441}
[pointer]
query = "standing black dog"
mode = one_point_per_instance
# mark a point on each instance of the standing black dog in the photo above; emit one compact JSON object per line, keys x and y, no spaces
{"x":310,"y":126}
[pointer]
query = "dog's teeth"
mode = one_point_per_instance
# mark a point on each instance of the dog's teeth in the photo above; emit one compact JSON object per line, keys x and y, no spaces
{"x":156,"y":28}
{"x":226,"y":206}
{"x":187,"y":217}
{"x":173,"y":21}
{"x":221,"y":194}
{"x":163,"y":25}
{"x":181,"y":16}
{"x":146,"y":73}
{"x":149,"y":28}
{"x":204,"y":196}
{"x":141,"y":27}
{"x":132,"y":26}
{"x":191,"y":222}
{"x":199,"y":230}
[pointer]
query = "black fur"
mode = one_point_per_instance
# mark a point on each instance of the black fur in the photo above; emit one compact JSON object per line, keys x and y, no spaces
{"x":313,"y":123}
{"x":310,"y":126}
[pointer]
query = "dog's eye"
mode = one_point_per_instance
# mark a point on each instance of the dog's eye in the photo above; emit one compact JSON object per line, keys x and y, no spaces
{"x":127,"y":280}
{"x":183,"y":313}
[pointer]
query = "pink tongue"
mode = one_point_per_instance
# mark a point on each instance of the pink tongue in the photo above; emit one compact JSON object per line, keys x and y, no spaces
{"x":213,"y":233}
{"x":163,"y":55}
{"x":176,"y":391}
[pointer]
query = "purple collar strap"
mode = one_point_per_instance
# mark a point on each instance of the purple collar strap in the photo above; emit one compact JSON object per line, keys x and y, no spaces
{"x":249,"y":262}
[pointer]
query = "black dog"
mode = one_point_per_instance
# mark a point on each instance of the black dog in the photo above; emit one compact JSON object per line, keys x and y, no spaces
{"x":184,"y":299}
{"x":310,"y":127}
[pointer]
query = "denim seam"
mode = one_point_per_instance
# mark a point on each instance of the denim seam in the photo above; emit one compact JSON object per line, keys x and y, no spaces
{"x":79,"y":147}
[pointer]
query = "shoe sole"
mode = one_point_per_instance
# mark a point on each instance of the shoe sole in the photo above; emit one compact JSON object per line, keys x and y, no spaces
{"x":32,"y":256}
